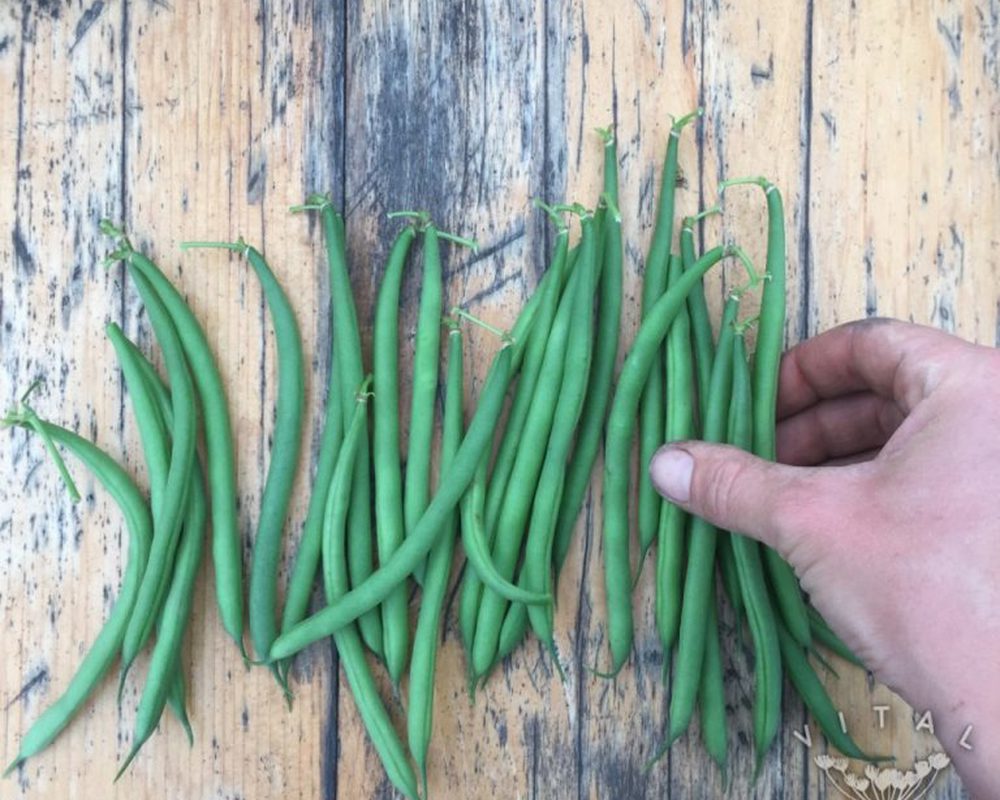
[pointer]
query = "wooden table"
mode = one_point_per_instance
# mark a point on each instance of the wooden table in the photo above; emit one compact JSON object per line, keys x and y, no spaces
{"x":879,"y":121}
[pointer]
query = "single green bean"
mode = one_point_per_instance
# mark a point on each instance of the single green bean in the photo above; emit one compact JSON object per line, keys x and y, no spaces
{"x":420,"y":713}
{"x":104,"y":650}
{"x":617,"y":449}
{"x":307,"y":554}
{"x":227,"y":555}
{"x":702,"y":338}
{"x":286,"y":442}
{"x":349,"y":362}
{"x":654,"y":283}
{"x":750,"y":572}
{"x":414,"y":548}
{"x":426,"y":357}
{"x":347,"y":640}
{"x":385,"y":447}
{"x":712,"y":695}
{"x":477,"y":548}
{"x":673,"y":519}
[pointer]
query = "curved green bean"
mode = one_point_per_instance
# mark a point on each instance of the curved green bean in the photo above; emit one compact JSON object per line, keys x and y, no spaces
{"x":750,"y":572}
{"x":415,"y":547}
{"x":307,"y":554}
{"x":423,"y":663}
{"x":385,"y":449}
{"x":712,"y":695}
{"x":286,"y":441}
{"x":350,"y":371}
{"x":673,"y":519}
{"x":104,"y":650}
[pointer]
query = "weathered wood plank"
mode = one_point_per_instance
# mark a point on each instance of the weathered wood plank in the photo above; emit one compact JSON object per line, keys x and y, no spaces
{"x":446,"y":112}
{"x":60,"y":149}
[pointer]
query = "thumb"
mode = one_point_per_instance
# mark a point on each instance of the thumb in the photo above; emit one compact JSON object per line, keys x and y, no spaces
{"x":774,"y":503}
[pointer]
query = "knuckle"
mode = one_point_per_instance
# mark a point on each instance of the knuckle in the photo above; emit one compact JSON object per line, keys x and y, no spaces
{"x":721,"y":488}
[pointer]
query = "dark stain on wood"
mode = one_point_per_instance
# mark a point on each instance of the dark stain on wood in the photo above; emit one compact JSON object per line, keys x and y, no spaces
{"x":87,"y":19}
{"x":37,"y":681}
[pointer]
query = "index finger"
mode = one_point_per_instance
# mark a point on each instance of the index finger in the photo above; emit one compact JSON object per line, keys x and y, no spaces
{"x":896,"y":360}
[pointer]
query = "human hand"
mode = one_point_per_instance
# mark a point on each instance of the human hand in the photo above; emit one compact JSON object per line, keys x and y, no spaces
{"x":887,"y":505}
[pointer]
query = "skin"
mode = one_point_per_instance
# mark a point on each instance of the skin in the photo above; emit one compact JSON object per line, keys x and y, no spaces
{"x":902,"y":564}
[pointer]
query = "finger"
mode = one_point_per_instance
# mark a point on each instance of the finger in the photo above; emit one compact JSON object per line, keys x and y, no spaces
{"x":896,"y":360}
{"x":774,"y":503}
{"x":836,"y":428}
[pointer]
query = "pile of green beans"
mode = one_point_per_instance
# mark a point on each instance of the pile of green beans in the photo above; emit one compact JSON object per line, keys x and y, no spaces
{"x":507,"y":490}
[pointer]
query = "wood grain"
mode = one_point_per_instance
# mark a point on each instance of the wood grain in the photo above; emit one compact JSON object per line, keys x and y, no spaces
{"x":199,"y":120}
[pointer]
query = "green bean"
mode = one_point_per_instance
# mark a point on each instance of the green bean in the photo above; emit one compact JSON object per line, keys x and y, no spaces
{"x":415,"y":547}
{"x":824,"y":634}
{"x":286,"y":441}
{"x":163,"y":664}
{"x":673,"y":520}
{"x":543,"y":305}
{"x":166,"y":525}
{"x":307,"y":554}
{"x":226,"y":551}
{"x":729,"y":574}
{"x":700,"y":572}
{"x":750,"y":572}
{"x":528,"y":463}
{"x":477,"y":548}
{"x":349,"y":363}
{"x":811,"y":690}
{"x":712,"y":695}
{"x":426,"y":356}
{"x":618,"y":445}
{"x":588,"y":437}
{"x":104,"y":650}
{"x":420,"y":714}
{"x":654,"y":283}
{"x":152,"y":410}
{"x":536,"y":571}
{"x":701,"y":326}
{"x":385,"y":448}
{"x":770,"y":341}
{"x":335,"y":582}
